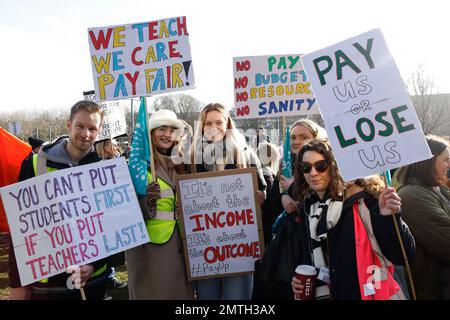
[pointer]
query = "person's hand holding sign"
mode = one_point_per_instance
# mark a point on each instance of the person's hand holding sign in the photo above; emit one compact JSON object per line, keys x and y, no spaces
{"x":148,"y":202}
{"x":389,"y":202}
{"x":285,"y":182}
{"x":85,"y":273}
{"x":289,"y":204}
{"x":153,"y":193}
{"x":260,"y":196}
{"x":80,"y":275}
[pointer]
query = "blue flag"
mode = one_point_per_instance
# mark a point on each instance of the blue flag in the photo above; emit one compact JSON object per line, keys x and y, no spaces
{"x":286,"y":168}
{"x":140,"y":152}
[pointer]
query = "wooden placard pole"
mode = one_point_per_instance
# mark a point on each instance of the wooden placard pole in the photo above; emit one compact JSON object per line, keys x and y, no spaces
{"x":152,"y":162}
{"x":386,"y":178}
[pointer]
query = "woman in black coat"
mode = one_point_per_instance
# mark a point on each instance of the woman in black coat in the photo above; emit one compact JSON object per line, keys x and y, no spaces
{"x":337,"y":219}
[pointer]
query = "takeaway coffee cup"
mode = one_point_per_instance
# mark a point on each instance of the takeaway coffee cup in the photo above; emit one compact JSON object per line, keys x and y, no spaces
{"x":307,"y":276}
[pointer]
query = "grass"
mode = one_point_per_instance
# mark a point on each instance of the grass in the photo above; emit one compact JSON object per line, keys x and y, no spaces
{"x":116,"y":294}
{"x":121,"y":273}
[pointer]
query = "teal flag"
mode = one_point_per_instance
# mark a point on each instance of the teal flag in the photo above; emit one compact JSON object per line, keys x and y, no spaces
{"x":286,"y":168}
{"x":387,"y":175}
{"x":140,"y":152}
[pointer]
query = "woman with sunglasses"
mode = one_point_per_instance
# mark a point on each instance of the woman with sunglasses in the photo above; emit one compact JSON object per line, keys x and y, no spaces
{"x":329,"y":223}
{"x":301,"y":132}
{"x":278,"y":204}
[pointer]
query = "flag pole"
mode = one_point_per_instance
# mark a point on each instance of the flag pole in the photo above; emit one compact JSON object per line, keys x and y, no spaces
{"x":387,"y":181}
{"x":83,"y":295}
{"x":283,"y":135}
{"x":152,"y":162}
{"x":111,"y":148}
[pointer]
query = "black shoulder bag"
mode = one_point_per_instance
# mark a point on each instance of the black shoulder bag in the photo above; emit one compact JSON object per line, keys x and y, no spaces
{"x":283,"y":253}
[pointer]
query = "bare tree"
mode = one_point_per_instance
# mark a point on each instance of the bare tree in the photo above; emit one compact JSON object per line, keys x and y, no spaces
{"x":433,"y":109}
{"x":185,"y":106}
{"x":46,"y":125}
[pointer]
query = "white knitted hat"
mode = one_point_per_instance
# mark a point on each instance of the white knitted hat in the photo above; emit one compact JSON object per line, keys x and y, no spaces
{"x":165,"y":118}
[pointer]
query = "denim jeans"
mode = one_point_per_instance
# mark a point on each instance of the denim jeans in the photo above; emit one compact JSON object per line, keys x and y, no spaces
{"x":227,"y":288}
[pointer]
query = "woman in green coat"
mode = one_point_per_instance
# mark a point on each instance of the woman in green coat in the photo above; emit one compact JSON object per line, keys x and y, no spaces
{"x":426,"y":210}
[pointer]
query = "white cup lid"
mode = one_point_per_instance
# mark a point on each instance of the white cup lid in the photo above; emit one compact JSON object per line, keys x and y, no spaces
{"x":306,"y":270}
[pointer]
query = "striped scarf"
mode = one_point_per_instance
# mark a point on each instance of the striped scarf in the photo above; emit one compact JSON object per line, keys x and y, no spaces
{"x":322,"y":216}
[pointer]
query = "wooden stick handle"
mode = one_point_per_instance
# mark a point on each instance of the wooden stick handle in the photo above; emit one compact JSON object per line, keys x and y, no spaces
{"x":408,"y":270}
{"x":83,"y":295}
{"x":152,"y":162}
{"x":399,"y":237}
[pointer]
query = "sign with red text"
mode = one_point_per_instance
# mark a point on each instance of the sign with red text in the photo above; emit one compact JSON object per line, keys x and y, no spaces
{"x":72,"y":217}
{"x":271,"y":86}
{"x":141,"y":59}
{"x":114,"y":123}
{"x":367,"y":110}
{"x":221,"y":222}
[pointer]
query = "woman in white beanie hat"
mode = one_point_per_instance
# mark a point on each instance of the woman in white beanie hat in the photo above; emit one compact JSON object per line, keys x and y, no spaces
{"x":157,"y":270}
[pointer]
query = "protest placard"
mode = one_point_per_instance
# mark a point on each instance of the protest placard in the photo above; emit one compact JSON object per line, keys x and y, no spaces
{"x":367,"y":110}
{"x":15,"y":128}
{"x":222,"y":228}
{"x":114,"y":123}
{"x":271,"y":86}
{"x":141,"y":59}
{"x":72,"y":217}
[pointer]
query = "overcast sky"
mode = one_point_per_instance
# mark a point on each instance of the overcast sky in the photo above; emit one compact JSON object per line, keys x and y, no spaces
{"x":45,"y":53}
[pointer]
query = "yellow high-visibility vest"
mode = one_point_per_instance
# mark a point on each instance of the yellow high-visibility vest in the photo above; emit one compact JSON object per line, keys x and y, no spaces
{"x":161,"y":227}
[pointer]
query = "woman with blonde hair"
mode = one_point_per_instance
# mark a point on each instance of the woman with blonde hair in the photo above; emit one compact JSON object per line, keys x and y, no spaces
{"x":217,"y":145}
{"x":106,"y":150}
{"x":301,"y":132}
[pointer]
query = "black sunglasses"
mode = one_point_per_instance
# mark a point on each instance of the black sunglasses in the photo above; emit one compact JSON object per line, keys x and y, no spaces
{"x":320,"y":166}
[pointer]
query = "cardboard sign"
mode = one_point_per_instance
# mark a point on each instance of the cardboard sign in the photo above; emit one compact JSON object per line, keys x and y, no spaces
{"x":367,"y":110}
{"x":15,"y":128}
{"x":114,"y":123}
{"x":141,"y":59}
{"x":72,"y":217}
{"x":271,"y":86}
{"x":222,"y":228}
